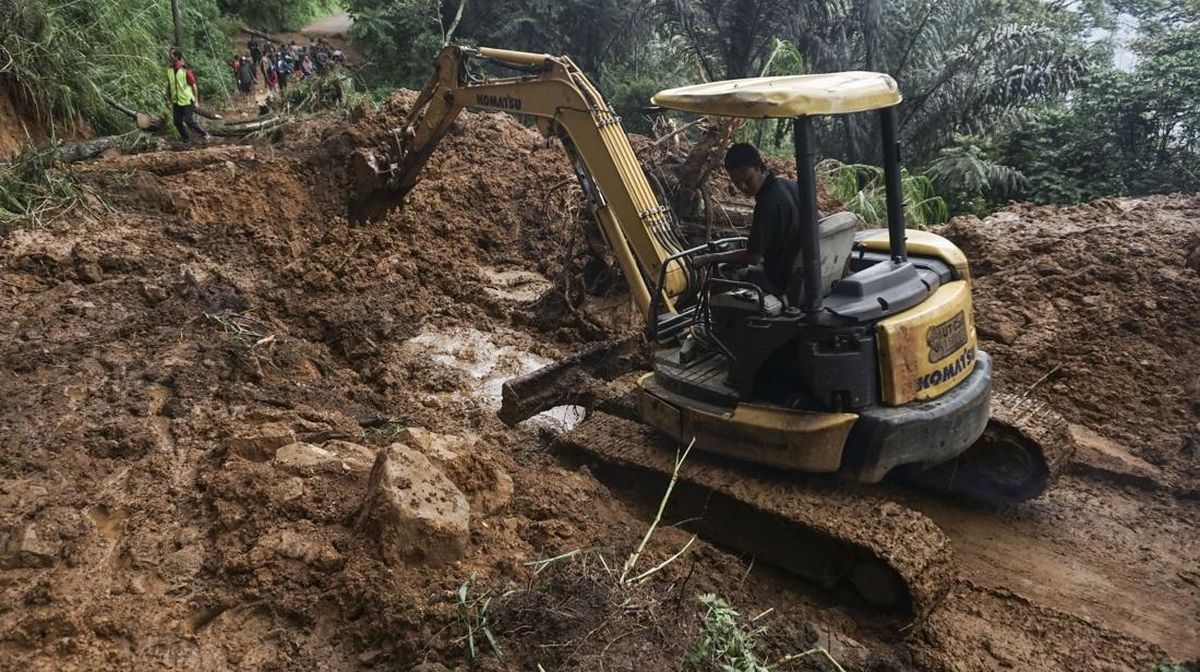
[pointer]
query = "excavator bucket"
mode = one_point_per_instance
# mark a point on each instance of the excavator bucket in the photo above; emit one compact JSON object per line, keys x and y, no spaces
{"x":580,"y":379}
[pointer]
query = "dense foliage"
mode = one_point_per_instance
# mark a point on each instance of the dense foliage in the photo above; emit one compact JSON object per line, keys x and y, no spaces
{"x":1004,"y":99}
{"x":62,"y":55}
{"x":1121,"y":132}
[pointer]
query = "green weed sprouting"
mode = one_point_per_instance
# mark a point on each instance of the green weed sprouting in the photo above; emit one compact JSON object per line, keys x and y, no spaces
{"x":724,"y":642}
{"x":473,"y":615}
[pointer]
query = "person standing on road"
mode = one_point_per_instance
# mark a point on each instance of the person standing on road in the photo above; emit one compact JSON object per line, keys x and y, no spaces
{"x":283,"y":68}
{"x":245,"y":76}
{"x":255,"y":53}
{"x":183,"y":95}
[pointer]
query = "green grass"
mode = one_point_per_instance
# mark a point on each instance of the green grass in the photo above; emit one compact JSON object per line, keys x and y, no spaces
{"x":725,"y":643}
{"x":32,"y":189}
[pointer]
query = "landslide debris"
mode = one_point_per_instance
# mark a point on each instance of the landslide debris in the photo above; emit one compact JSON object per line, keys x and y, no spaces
{"x":198,"y":382}
{"x":1096,"y":309}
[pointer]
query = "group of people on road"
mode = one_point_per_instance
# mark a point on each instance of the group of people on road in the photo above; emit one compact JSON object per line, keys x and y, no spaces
{"x":280,"y":64}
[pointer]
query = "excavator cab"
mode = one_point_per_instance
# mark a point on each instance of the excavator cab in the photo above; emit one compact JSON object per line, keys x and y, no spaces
{"x":868,"y":363}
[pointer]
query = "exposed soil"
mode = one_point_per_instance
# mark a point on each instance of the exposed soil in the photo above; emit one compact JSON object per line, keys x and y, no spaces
{"x":1096,"y":308}
{"x":199,"y":379}
{"x":18,"y":125}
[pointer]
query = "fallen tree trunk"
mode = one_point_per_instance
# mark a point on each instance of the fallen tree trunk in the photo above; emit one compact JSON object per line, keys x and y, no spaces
{"x":173,"y":163}
{"x":246,"y":128}
{"x":579,"y":379}
{"x":262,"y":36}
{"x":146,"y":122}
{"x":90,"y":149}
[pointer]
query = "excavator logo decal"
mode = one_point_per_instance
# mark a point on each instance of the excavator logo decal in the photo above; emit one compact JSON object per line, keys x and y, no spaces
{"x":946,"y":338}
{"x":952,"y":370}
{"x":499,"y":102}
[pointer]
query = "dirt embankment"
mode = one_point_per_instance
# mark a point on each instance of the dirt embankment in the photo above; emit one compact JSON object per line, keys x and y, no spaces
{"x":218,"y":407}
{"x":18,"y":127}
{"x":200,"y":378}
{"x":1096,"y":308}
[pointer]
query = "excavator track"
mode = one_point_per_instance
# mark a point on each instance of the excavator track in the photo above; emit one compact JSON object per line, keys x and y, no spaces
{"x":1024,"y":448}
{"x":829,"y":531}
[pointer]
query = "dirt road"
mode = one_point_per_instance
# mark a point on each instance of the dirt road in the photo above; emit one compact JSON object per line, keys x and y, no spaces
{"x":334,"y":24}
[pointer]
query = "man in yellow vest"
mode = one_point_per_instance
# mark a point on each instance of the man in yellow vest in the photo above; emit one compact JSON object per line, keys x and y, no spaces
{"x":183,"y":95}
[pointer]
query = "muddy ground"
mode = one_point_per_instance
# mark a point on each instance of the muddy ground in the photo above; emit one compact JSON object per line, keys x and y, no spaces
{"x":201,"y":376}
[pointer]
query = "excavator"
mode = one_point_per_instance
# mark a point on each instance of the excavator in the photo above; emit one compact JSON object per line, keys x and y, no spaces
{"x":798,"y":405}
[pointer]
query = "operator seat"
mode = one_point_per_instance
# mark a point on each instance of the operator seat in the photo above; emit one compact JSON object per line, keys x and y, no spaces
{"x":837,"y":242}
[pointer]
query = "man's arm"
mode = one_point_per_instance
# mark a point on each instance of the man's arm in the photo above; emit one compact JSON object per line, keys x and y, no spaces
{"x":752,"y":253}
{"x":744,"y":256}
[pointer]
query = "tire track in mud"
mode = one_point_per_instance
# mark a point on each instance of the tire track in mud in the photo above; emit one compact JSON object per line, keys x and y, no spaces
{"x":1120,"y":557}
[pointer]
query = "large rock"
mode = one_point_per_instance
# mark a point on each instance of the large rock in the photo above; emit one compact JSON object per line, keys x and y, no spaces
{"x":25,"y":548}
{"x":260,"y":443}
{"x":417,"y":512}
{"x":488,"y":487}
{"x":336,"y":455}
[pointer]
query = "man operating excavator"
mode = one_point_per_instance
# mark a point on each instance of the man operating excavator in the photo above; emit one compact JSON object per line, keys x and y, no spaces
{"x":769,"y":258}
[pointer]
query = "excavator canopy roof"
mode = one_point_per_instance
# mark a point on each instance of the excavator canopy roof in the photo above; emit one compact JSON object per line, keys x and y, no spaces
{"x":787,"y":96}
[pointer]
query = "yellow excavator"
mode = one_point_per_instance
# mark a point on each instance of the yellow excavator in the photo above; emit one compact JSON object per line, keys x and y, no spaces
{"x":870,"y":368}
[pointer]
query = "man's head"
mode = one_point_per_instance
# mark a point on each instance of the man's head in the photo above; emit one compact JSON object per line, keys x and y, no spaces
{"x":176,"y":56}
{"x":746,"y":168}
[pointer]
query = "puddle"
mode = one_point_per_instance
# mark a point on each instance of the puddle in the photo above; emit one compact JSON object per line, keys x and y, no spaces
{"x":514,"y":285}
{"x":109,"y":520}
{"x":490,"y":365}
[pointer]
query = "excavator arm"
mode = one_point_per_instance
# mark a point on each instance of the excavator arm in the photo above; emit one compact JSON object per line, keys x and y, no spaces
{"x":639,"y":230}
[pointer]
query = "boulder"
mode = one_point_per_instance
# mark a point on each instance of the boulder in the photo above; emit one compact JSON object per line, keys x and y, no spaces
{"x":24,"y":548}
{"x":488,"y":486}
{"x":418,"y":514}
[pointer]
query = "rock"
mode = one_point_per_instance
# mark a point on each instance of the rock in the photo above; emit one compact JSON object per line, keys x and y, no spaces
{"x":90,"y":272}
{"x":418,"y":514}
{"x":341,"y":455}
{"x":184,"y":563}
{"x":292,"y":488}
{"x":26,"y":549}
{"x":303,"y":544}
{"x":261,"y":443}
{"x":488,"y":487}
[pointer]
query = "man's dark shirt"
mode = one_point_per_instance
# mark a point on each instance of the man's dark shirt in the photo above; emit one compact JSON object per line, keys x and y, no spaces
{"x":775,"y":233}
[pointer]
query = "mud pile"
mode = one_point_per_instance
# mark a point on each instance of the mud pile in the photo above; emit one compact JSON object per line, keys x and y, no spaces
{"x":202,"y":378}
{"x":1096,"y":308}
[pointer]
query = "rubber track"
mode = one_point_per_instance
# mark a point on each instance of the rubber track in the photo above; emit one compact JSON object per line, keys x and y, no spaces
{"x":855,"y":521}
{"x":1038,"y":424}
